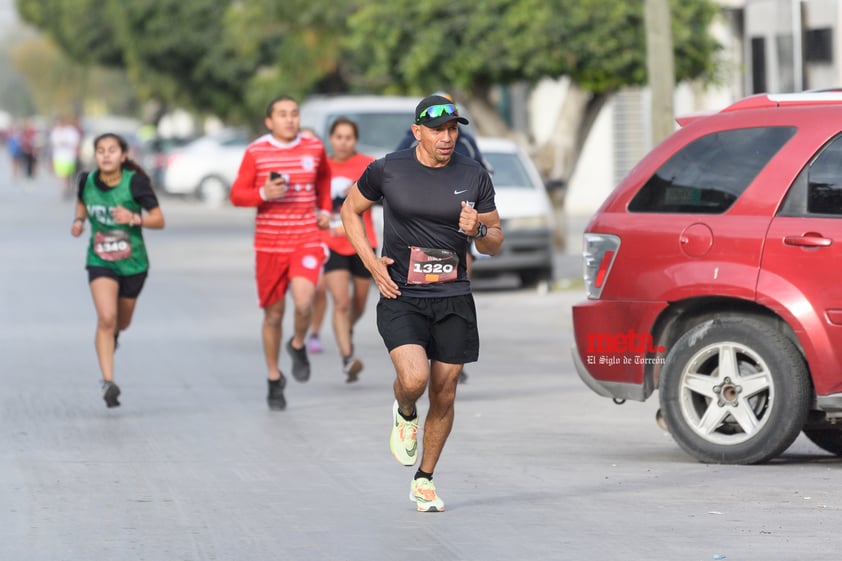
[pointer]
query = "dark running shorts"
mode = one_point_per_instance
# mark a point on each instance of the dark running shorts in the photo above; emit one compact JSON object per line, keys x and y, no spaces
{"x":445,"y":327}
{"x":352,"y":263}
{"x":130,"y":285}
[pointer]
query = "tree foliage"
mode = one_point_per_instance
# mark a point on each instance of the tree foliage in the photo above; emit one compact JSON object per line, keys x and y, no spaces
{"x":172,"y":50}
{"x":416,"y":46}
{"x":230,"y":57}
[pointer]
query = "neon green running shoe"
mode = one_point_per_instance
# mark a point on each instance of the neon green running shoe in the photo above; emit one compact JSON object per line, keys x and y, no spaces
{"x":423,"y":492}
{"x":403,"y":443}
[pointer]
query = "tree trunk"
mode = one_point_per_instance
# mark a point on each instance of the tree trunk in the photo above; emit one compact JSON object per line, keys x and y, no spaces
{"x":485,"y":119}
{"x":558,"y":157}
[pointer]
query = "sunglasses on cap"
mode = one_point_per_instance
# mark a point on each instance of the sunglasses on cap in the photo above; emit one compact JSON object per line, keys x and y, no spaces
{"x":436,"y":111}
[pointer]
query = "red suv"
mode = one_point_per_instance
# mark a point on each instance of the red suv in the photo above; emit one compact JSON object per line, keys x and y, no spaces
{"x":710,"y":276}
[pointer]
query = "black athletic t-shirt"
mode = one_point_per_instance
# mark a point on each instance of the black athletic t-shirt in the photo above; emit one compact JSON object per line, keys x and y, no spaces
{"x":421,"y":207}
{"x":140,"y":188}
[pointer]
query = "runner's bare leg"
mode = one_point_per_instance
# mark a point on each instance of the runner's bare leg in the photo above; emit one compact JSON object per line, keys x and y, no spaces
{"x":303,"y":293}
{"x":273,"y":316}
{"x":443,"y":380}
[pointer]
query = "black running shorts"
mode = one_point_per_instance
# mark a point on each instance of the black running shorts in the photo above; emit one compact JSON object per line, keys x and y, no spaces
{"x":445,"y":327}
{"x":350,"y":263}
{"x":130,"y":285}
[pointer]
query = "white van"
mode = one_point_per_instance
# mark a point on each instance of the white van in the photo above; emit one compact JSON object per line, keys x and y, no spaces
{"x":383,"y":120}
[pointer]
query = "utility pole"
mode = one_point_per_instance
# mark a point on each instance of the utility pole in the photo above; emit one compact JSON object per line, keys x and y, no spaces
{"x":660,"y":67}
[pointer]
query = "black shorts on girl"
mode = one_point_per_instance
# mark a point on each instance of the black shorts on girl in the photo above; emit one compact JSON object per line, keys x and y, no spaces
{"x":130,"y":285}
{"x":446,"y":327}
{"x":351,"y":263}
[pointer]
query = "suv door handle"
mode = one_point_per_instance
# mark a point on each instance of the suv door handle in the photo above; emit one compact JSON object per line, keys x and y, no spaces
{"x":810,"y":239}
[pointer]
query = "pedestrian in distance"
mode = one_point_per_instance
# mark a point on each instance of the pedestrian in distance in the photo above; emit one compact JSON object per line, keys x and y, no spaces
{"x":13,"y":146}
{"x":284,"y":174}
{"x":435,"y":202}
{"x":29,"y":149}
{"x":344,"y":268}
{"x":113,"y":198}
{"x":64,"y":148}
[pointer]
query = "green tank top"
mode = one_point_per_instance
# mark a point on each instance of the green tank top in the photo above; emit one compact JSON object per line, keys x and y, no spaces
{"x":118,"y":247}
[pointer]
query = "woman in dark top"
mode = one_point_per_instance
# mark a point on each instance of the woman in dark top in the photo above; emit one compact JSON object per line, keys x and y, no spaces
{"x":113,"y":198}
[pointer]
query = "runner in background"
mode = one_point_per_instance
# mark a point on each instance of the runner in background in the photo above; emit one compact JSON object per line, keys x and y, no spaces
{"x":284,"y":174}
{"x":344,"y":268}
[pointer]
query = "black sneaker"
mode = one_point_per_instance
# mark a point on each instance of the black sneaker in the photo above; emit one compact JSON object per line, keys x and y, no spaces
{"x":463,"y":376}
{"x":275,"y":398}
{"x":110,"y":393}
{"x":300,"y":362}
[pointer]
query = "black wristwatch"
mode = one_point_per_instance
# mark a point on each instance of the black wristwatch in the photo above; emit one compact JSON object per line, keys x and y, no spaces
{"x":482,"y":231}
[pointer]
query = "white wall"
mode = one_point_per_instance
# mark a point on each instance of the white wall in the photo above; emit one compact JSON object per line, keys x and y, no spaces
{"x":593,"y":179}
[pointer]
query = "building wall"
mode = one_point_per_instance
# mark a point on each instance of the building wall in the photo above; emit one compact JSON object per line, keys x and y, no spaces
{"x":790,"y":33}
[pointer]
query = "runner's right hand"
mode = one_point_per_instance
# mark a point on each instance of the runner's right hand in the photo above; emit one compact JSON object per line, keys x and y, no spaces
{"x":380,"y":274}
{"x":274,"y":188}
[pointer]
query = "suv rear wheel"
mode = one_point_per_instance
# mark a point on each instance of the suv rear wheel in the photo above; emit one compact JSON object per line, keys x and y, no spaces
{"x":734,"y":390}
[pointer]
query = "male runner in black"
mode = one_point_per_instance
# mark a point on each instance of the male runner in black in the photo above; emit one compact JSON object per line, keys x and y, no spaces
{"x":435,"y":202}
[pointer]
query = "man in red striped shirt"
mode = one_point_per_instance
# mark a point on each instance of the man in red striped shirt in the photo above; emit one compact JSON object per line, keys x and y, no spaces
{"x":285,"y":175}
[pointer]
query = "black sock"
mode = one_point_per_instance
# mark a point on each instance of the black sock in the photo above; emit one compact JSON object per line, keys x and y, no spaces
{"x":419,"y":474}
{"x":409,"y":418}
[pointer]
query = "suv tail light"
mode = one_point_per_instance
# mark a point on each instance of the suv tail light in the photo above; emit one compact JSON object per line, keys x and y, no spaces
{"x":599,"y":251}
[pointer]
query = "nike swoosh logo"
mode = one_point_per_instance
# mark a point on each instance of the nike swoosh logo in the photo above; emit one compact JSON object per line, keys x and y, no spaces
{"x":411,"y":451}
{"x":460,"y":192}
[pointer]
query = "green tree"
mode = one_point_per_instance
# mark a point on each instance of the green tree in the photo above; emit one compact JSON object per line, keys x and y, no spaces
{"x":172,"y":50}
{"x":220,"y":57}
{"x":295,"y":45}
{"x":417,"y":46}
{"x":229,"y":58}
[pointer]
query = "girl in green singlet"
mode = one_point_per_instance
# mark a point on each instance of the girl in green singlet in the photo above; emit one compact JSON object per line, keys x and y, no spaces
{"x":113,"y":199}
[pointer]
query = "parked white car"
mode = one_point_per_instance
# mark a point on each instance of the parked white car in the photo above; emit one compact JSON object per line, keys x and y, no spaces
{"x":206,"y":168}
{"x":526,"y":215}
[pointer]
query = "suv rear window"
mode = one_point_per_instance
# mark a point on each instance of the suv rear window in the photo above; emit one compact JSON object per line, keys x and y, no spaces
{"x":708,"y":175}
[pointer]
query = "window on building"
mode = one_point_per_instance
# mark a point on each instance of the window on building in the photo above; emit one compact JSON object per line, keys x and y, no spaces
{"x":758,"y":65}
{"x":818,"y":45}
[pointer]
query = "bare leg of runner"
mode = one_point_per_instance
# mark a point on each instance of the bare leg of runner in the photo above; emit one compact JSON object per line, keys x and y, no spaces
{"x":104,"y":292}
{"x":442,"y":394}
{"x":273,"y":316}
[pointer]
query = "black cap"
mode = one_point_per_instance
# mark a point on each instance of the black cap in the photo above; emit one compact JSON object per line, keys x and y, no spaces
{"x":445,"y":117}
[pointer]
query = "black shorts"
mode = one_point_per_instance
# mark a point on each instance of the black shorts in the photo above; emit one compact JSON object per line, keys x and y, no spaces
{"x":445,"y":327}
{"x":130,"y":285}
{"x":352,"y":263}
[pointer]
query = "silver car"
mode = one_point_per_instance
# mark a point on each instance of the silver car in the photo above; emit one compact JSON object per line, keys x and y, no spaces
{"x":526,"y":215}
{"x":206,"y":168}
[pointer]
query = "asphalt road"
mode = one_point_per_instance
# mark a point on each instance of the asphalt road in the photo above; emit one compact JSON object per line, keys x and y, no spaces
{"x":193,"y":466}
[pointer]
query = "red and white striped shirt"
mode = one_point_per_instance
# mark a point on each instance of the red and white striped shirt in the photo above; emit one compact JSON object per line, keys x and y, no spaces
{"x":288,"y":223}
